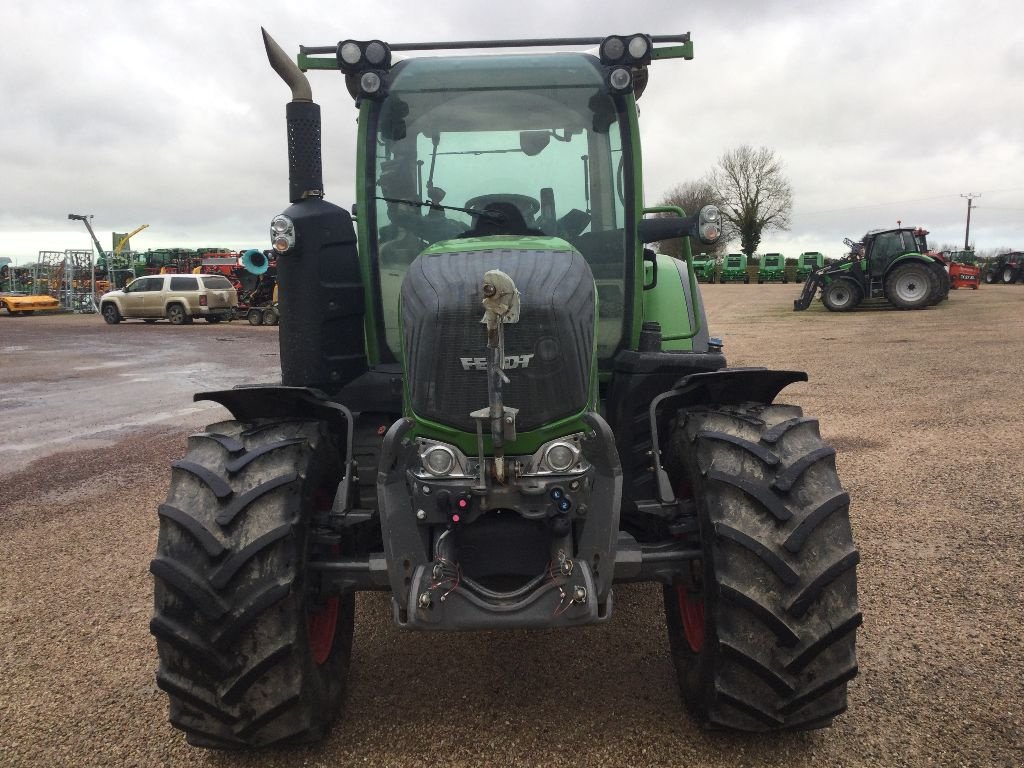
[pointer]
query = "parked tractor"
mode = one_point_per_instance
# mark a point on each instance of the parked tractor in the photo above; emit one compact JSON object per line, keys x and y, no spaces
{"x":807,"y":262}
{"x":495,"y":411}
{"x":772,"y":268}
{"x":734,"y":269}
{"x":890,"y":264}
{"x":1006,"y":268}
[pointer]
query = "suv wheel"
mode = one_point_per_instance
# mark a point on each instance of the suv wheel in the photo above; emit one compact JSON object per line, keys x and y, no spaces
{"x":110,"y":314}
{"x":176,"y":314}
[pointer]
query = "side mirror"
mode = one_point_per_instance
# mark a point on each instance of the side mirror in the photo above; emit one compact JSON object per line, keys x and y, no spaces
{"x":704,"y":225}
{"x":533,"y":142}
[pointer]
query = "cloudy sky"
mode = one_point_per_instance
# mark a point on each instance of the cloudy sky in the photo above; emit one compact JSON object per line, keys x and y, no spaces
{"x":167,"y":113}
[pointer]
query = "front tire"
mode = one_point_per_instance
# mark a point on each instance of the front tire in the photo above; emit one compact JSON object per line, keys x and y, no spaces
{"x":255,"y":317}
{"x":1008,"y":276}
{"x":110,"y":314}
{"x":763,"y":637}
{"x":841,"y":295}
{"x":250,"y":654}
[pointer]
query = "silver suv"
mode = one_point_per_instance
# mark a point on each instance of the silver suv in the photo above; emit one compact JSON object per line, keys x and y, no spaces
{"x":179,"y":298}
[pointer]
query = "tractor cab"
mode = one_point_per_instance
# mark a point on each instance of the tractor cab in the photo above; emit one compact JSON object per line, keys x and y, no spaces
{"x":514,"y":151}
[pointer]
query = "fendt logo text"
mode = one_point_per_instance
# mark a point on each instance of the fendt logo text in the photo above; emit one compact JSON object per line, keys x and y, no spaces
{"x":480,"y":363}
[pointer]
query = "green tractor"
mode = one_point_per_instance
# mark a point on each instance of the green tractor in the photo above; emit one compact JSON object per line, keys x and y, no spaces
{"x":772,"y":268}
{"x":704,"y":267}
{"x":496,"y":411}
{"x":807,"y":262}
{"x":734,"y":269}
{"x":889,"y":264}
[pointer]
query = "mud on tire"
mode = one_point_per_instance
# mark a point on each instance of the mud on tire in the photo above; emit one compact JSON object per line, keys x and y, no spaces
{"x":765,"y":641}
{"x":249,"y":654}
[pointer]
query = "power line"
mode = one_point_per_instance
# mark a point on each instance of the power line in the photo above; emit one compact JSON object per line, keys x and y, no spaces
{"x":876,"y":205}
{"x":904,"y":202}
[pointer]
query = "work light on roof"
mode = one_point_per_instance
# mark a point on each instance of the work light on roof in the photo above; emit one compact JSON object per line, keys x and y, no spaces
{"x":355,"y":56}
{"x":612,"y":49}
{"x":634,"y":50}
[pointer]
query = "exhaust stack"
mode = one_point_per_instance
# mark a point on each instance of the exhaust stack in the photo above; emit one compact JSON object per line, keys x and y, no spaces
{"x":305,"y":165}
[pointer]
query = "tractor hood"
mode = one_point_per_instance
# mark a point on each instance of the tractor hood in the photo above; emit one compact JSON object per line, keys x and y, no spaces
{"x":548,"y":353}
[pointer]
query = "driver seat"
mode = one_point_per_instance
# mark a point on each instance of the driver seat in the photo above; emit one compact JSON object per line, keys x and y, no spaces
{"x":514,"y":223}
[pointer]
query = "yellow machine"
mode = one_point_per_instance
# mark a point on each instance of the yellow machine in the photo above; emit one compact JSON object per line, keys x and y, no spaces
{"x":25,"y":304}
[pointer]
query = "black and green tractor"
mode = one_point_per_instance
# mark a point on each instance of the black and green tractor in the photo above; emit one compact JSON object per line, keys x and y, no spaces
{"x":890,"y":264}
{"x":497,"y":406}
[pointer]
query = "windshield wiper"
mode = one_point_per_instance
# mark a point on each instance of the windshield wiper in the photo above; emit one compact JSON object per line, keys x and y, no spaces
{"x":495,"y":216}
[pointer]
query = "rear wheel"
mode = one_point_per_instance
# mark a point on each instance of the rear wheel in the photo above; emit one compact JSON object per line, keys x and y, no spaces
{"x":841,"y":295}
{"x":176,"y":314}
{"x":110,"y":314}
{"x":250,"y":653}
{"x":1008,"y":276}
{"x":911,"y":286}
{"x":763,"y":634}
{"x":271,"y":316}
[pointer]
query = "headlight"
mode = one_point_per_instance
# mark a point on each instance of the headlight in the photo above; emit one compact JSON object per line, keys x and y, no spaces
{"x":639,"y":47}
{"x":282,"y":234}
{"x":376,"y":52}
{"x":711,"y":213}
{"x":560,"y":456}
{"x":370,"y":83}
{"x":620,"y":79}
{"x":438,"y":460}
{"x":350,"y":53}
{"x":613,"y":48}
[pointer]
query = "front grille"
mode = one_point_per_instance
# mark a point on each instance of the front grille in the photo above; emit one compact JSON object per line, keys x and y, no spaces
{"x":441,"y":313}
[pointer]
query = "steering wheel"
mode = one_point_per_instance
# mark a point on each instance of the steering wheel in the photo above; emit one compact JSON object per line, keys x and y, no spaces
{"x":526,"y":204}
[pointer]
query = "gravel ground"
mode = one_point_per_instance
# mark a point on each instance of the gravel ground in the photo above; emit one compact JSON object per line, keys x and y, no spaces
{"x":915,"y":403}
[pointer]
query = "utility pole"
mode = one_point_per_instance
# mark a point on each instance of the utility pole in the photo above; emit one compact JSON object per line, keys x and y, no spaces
{"x":970,"y":200}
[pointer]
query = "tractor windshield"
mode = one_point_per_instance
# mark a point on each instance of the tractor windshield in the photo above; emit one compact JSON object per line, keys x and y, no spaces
{"x":533,"y":137}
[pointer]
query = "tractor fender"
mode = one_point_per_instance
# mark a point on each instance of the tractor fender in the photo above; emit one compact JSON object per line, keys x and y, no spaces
{"x":728,"y":386}
{"x":907,"y":257}
{"x":247,"y":403}
{"x":277,"y":402}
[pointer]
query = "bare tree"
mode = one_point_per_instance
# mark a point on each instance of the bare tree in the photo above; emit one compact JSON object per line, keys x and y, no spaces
{"x":691,"y":196}
{"x":756,"y":193}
